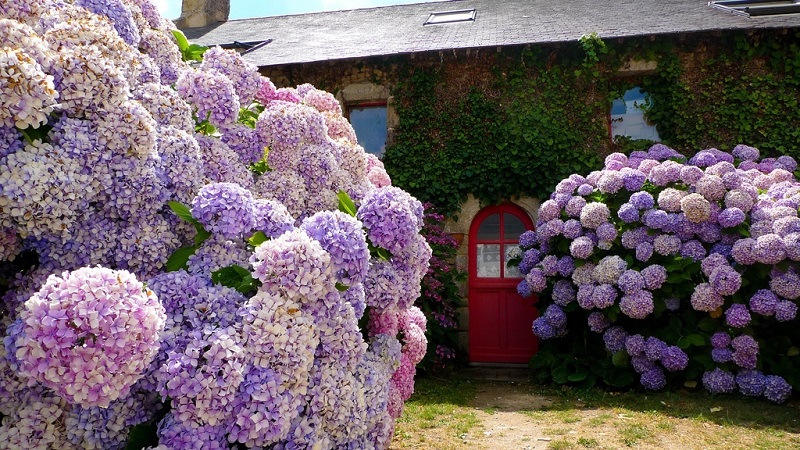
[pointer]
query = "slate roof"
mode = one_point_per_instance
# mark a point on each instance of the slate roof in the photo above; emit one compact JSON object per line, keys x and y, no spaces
{"x":393,"y":30}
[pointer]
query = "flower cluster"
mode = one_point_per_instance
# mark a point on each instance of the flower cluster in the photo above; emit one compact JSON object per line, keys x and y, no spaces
{"x":654,"y":232}
{"x":250,"y":335}
{"x":88,"y":334}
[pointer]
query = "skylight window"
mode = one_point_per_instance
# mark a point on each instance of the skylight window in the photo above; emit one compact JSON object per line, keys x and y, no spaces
{"x":461,"y":15}
{"x":758,"y":7}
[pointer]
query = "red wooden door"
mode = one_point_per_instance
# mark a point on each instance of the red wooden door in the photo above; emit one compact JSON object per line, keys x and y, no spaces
{"x":499,"y":318}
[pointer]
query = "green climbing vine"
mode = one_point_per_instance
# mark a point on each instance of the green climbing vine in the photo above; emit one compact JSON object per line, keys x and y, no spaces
{"x":544,"y":115}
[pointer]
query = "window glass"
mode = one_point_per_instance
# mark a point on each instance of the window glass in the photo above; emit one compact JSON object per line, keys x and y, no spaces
{"x":627,"y":116}
{"x":465,"y":15}
{"x":511,"y":252}
{"x":490,"y":228}
{"x":512,"y":227}
{"x":369,"y":122}
{"x":489,"y":260}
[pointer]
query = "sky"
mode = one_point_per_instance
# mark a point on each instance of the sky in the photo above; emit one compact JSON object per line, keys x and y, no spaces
{"x":242,"y":9}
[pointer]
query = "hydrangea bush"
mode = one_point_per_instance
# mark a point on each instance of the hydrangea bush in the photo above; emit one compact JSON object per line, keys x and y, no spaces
{"x":191,"y":257}
{"x":671,"y":270}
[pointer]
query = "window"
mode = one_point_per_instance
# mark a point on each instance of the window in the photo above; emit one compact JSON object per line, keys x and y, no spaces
{"x":462,"y":15}
{"x":627,"y":116}
{"x":497,"y":241}
{"x":369,"y":122}
{"x":758,"y":7}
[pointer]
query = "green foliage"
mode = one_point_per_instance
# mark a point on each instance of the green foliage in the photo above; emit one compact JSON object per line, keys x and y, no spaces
{"x":545,"y":115}
{"x":538,"y":129}
{"x":179,"y":259}
{"x":189,"y":52}
{"x":747,"y":92}
{"x":441,"y":296}
{"x":235,"y":277}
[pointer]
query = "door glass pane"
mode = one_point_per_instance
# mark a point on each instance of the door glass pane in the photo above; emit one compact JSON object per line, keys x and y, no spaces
{"x":512,"y":251}
{"x":490,"y":229}
{"x":489,"y":260}
{"x":512,"y":227}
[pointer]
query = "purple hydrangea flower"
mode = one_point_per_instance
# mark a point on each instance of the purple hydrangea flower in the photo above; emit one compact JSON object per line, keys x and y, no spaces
{"x":642,"y":200}
{"x":720,"y":339}
{"x":604,"y":296}
{"x":89,"y":334}
{"x":655,"y":218}
{"x":776,"y":389}
{"x":614,"y":339}
{"x":528,"y":239}
{"x":745,"y":344}
{"x":543,"y":329}
{"x":737,"y":316}
{"x":598,"y":322}
{"x":524,"y":289}
{"x":742,"y":251}
{"x":653,"y":379}
{"x":594,"y":214}
{"x":764,"y":302}
{"x":565,"y":266}
{"x":585,"y":296}
{"x":555,"y":316}
{"x":769,"y":249}
{"x":343,"y":237}
{"x":745,"y":152}
{"x":654,"y":348}
{"x":731,"y":217}
{"x":224,"y":208}
{"x":634,"y":345}
{"x":641,"y":364}
{"x":637,"y":305}
{"x":705,"y":298}
{"x":718,"y":381}
{"x":581,"y":248}
{"x":563,"y":292}
{"x":725,"y":280}
{"x":631,"y":281}
{"x":529,"y":260}
{"x":785,"y":310}
{"x":693,"y":249}
{"x":712,"y":262}
{"x":572,"y":229}
{"x":654,"y":276}
{"x":666,"y":244}
{"x":392,"y":217}
{"x":633,"y":179}
{"x":628,"y":213}
{"x":751,"y":382}
{"x":644,"y":251}
{"x":721,"y":355}
{"x":536,"y":280}
{"x":674,"y":359}
{"x":786,"y":284}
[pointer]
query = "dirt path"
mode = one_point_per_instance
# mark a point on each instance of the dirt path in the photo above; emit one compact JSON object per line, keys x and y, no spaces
{"x":501,"y":410}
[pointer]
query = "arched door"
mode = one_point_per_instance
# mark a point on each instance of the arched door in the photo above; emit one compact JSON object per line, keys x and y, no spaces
{"x":499,"y":318}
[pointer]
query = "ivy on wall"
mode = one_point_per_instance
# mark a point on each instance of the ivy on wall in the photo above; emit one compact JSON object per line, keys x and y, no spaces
{"x":544,"y":113}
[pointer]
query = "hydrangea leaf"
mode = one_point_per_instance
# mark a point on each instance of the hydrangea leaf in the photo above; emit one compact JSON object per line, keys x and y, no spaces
{"x":346,"y":204}
{"x":620,"y":359}
{"x":235,"y":277}
{"x":179,"y":259}
{"x":257,"y":238}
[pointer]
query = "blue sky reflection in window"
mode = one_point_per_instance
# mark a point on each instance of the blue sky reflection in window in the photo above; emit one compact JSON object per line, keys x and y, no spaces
{"x":627,"y":117}
{"x":370,"y":125}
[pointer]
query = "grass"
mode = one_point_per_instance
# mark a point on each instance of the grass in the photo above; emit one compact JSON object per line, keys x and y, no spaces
{"x":442,"y":414}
